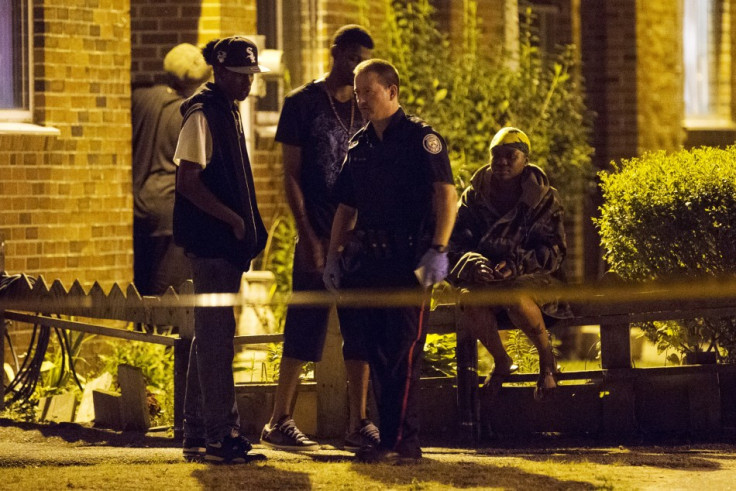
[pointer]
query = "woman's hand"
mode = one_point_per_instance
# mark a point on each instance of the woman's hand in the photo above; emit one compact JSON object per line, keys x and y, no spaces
{"x":484,"y":272}
{"x":502,"y":271}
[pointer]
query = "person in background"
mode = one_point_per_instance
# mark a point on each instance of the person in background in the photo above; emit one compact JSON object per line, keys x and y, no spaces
{"x":158,"y":261}
{"x":510,"y":233}
{"x":316,"y":124}
{"x":391,"y":230}
{"x":217,"y":222}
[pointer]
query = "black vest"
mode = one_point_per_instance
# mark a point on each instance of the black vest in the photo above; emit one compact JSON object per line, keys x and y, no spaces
{"x":228,"y":175}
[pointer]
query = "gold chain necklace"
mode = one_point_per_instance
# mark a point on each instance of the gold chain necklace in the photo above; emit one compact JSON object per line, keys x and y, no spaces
{"x":348,"y":129}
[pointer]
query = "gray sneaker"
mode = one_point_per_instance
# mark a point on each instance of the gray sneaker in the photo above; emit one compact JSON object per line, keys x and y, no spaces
{"x":367,"y":434}
{"x":284,"y":435}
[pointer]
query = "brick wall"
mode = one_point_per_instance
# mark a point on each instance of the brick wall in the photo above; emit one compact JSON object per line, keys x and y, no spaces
{"x":66,"y":205}
{"x":731,"y":38}
{"x":659,"y":81}
{"x":156,"y":27}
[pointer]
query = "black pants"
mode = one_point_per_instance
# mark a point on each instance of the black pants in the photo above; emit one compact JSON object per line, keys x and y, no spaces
{"x":394,"y":340}
{"x":158,"y":263}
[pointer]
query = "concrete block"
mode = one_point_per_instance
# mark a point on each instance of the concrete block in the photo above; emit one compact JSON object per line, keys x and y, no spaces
{"x":43,"y":408}
{"x":134,"y":408}
{"x":86,"y":411}
{"x":61,"y":408}
{"x":107,"y":409}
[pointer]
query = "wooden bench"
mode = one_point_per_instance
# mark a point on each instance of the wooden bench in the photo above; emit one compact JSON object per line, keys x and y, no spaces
{"x":613,"y":393}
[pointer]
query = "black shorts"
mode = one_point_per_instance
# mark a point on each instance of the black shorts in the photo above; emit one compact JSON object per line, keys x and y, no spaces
{"x":305,"y":328}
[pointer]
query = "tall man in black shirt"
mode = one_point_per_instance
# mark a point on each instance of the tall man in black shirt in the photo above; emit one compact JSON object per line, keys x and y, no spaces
{"x":391,"y":229}
{"x":316,"y":123}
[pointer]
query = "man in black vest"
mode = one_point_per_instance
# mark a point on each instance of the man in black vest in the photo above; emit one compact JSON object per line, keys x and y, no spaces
{"x":216,"y":221}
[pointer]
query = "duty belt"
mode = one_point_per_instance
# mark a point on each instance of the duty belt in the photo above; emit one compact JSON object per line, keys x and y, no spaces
{"x":386,"y":243}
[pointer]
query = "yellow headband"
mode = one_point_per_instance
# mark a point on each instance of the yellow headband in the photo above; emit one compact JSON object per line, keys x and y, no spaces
{"x":513,"y":137}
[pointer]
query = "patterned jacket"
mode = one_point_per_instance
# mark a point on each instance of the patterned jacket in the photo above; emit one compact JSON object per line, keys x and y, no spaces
{"x":530,"y":237}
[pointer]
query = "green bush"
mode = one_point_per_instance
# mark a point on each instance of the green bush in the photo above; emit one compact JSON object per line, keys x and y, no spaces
{"x":467,"y":96}
{"x":673,"y":216}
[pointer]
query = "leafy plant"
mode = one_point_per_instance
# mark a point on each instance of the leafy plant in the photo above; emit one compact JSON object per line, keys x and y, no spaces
{"x":468,"y":95}
{"x":439,"y":356}
{"x":673,"y":216}
{"x":50,"y":368}
{"x":57,"y":375}
{"x":522,"y":351}
{"x":278,"y":257}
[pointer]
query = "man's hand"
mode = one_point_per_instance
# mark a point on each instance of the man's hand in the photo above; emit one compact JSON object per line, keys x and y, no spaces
{"x":238,"y":226}
{"x":315,"y":250}
{"x":433,"y":268}
{"x":333,"y":272}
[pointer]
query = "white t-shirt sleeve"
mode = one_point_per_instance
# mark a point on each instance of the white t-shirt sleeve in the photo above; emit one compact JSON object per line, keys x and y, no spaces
{"x":195,"y":141}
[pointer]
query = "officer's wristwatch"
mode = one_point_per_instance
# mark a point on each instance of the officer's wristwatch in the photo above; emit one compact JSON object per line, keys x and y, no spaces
{"x":439,"y":247}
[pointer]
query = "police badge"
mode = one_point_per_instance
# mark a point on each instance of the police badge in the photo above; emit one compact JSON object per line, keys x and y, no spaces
{"x":432,"y":143}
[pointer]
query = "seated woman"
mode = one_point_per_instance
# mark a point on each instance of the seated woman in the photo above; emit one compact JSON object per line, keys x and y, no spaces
{"x":509,"y":233}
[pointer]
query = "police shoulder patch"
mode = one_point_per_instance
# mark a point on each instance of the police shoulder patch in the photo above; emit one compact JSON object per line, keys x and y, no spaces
{"x":432,"y":143}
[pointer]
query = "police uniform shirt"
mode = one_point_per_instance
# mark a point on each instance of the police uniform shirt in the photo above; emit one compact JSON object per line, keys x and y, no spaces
{"x":390,"y":181}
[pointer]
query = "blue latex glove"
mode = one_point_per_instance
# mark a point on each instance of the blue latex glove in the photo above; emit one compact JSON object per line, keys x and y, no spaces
{"x":333,"y":272}
{"x":433,"y":268}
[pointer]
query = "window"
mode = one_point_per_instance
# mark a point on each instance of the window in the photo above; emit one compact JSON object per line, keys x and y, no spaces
{"x":270,"y":25}
{"x":543,"y":23}
{"x":706,"y":62}
{"x":269,"y":15}
{"x":15,"y":60}
{"x":698,"y":57}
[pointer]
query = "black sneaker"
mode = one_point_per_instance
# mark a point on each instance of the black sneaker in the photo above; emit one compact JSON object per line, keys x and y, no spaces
{"x":367,"y":434}
{"x":231,"y":450}
{"x":284,"y":435}
{"x":194,"y":449}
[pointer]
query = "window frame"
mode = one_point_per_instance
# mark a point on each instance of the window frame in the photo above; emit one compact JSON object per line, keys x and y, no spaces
{"x":710,"y":109}
{"x":24,"y":114}
{"x":697,"y":59}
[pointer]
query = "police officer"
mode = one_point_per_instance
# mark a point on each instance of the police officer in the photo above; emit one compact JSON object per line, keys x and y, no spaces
{"x":391,"y":229}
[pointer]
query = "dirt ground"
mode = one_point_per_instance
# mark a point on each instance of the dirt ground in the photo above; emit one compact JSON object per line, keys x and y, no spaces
{"x":55,"y":456}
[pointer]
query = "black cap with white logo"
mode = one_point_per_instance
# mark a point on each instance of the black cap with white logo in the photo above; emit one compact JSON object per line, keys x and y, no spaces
{"x":238,"y":54}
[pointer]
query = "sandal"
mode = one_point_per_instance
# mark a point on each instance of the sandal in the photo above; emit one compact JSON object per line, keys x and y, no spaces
{"x":547,"y":371}
{"x":544,"y":390}
{"x":541,"y":391}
